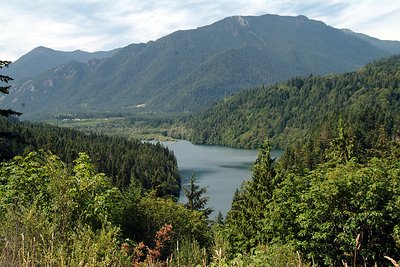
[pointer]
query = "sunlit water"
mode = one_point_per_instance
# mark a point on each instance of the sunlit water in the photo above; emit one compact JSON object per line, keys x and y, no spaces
{"x":222,"y":170}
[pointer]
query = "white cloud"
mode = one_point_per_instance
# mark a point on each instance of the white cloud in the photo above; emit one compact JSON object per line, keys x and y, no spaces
{"x":94,"y":25}
{"x":376,"y":18}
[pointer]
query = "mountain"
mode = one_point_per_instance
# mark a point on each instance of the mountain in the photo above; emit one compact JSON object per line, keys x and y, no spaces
{"x":188,"y":70}
{"x":392,"y":47}
{"x":42,"y":59}
{"x":367,"y":100}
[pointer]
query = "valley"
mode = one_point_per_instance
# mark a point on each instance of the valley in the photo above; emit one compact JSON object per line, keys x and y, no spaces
{"x":251,"y":141}
{"x":131,"y":127}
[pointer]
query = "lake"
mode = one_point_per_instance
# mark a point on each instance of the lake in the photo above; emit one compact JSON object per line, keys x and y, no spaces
{"x":221,"y":169}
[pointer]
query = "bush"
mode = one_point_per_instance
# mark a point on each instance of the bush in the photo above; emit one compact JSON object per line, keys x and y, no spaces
{"x":50,"y":216}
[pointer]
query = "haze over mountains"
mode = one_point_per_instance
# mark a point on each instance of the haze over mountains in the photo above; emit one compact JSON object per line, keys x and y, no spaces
{"x":188,"y":70}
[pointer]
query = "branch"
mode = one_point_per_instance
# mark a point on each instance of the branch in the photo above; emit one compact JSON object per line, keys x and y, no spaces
{"x":4,"y":63}
{"x":5,"y":78}
{"x":4,"y":89}
{"x":9,"y":112}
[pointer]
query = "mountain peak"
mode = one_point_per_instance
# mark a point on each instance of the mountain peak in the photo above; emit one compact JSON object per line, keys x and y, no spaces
{"x":42,"y":49}
{"x":302,"y":17}
{"x":187,"y":70}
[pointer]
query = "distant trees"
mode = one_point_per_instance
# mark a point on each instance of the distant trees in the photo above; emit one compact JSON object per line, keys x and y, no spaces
{"x":367,"y":100}
{"x":122,"y":160}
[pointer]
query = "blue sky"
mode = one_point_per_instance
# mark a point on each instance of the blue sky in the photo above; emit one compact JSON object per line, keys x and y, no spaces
{"x":94,"y":25}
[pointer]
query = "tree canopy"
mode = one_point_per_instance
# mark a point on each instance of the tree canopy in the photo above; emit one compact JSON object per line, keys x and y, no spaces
{"x":365,"y":100}
{"x":341,"y":209}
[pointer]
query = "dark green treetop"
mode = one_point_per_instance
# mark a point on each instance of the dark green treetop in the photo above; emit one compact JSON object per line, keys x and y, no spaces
{"x":196,"y":200}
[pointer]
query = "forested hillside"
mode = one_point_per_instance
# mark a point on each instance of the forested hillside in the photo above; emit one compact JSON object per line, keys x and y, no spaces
{"x":366,"y":100}
{"x":340,"y":211}
{"x":188,"y":70}
{"x":59,"y":213}
{"x":71,"y":198}
{"x":153,"y":166}
{"x":331,"y":200}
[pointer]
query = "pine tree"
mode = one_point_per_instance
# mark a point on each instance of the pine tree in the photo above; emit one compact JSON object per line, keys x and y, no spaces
{"x":342,"y":147}
{"x":219,"y":219}
{"x":245,"y":220}
{"x":196,"y":200}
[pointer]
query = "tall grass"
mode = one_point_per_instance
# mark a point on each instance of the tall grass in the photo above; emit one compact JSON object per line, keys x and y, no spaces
{"x":187,"y":253}
{"x":27,"y":239}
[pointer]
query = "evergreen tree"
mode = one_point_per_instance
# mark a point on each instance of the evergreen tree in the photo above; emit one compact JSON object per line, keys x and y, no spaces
{"x":342,"y":147}
{"x":196,"y":200}
{"x":245,"y":220}
{"x":219,"y":219}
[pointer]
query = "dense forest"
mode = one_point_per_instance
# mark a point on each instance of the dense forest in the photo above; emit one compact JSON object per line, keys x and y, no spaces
{"x":69,"y":198}
{"x":339,"y":211}
{"x":121,"y":159}
{"x":338,"y":208}
{"x":366,"y":100}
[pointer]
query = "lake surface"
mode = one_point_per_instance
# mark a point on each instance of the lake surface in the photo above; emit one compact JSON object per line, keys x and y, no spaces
{"x":221,"y":169}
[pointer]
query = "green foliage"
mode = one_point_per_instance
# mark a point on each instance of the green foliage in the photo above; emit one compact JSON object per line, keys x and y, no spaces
{"x":153,"y":166}
{"x":59,"y":215}
{"x":244,"y":221}
{"x":343,"y":208}
{"x":142,"y":219}
{"x":188,"y":253}
{"x":53,"y":216}
{"x":260,"y":255}
{"x":42,"y":179}
{"x":268,"y":256}
{"x":365,"y":100}
{"x":323,"y":212}
{"x":342,"y":147}
{"x":337,"y":207}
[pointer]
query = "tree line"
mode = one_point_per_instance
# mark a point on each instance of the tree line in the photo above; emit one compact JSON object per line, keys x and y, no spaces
{"x":366,"y":100}
{"x":121,"y":159}
{"x":342,"y":209}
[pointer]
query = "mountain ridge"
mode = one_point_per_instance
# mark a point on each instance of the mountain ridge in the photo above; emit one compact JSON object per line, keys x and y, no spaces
{"x":391,"y":46}
{"x":41,"y":59}
{"x":187,"y":70}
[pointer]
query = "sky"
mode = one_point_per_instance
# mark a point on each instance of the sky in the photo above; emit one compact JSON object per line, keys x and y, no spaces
{"x":99,"y":25}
